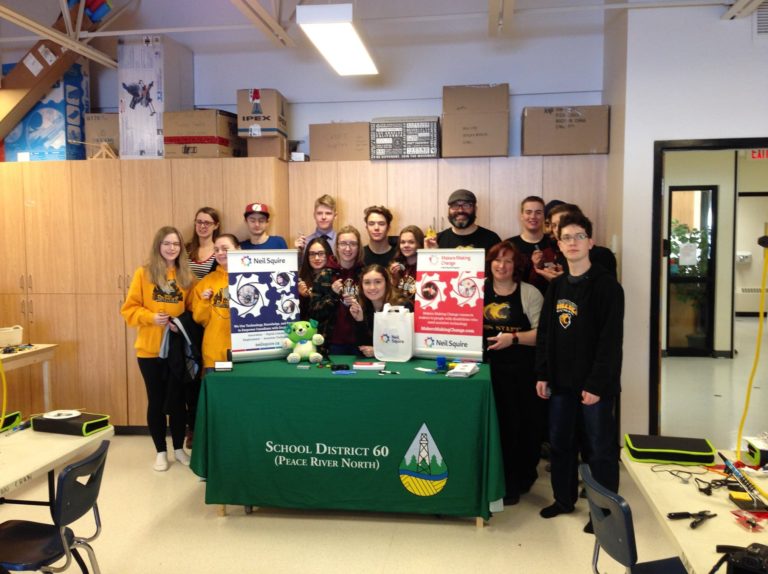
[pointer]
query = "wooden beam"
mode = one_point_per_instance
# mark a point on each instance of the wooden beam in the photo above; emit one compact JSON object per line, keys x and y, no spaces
{"x":500,"y":15}
{"x":265,"y":22}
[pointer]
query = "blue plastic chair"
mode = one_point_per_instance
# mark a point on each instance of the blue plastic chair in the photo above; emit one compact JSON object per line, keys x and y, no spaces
{"x":26,"y":545}
{"x":615,"y":532}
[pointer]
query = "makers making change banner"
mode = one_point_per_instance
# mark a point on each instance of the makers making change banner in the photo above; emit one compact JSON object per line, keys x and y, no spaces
{"x":263,"y":299}
{"x":449,"y":303}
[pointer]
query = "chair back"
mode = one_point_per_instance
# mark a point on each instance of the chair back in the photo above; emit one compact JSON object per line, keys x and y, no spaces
{"x":73,"y":497}
{"x":611,"y":519}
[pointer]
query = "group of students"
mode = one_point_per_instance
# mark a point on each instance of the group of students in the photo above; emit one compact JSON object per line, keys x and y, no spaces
{"x":552,"y":321}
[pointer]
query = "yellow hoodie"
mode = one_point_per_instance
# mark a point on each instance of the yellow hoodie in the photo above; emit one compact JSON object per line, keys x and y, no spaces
{"x":213,"y":314}
{"x":144,"y":301}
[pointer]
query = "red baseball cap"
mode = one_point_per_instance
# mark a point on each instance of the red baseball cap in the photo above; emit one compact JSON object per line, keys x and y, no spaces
{"x":256,"y":208}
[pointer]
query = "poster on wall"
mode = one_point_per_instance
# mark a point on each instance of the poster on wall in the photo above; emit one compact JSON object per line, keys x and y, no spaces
{"x":449,"y":303}
{"x":263,"y":299}
{"x":141,"y":97}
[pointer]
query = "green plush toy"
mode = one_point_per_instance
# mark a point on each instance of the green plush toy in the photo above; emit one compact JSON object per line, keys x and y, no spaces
{"x":303,"y":339}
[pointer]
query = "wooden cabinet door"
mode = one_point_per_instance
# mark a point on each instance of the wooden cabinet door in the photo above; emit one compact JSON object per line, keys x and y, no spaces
{"x":412,"y":194}
{"x":21,"y":395}
{"x":147,"y":206}
{"x":466,"y":173}
{"x":512,"y":179}
{"x":13,"y":271}
{"x":53,"y":318}
{"x":579,"y":179}
{"x":49,"y":227}
{"x":101,"y":355}
{"x":360,"y":184}
{"x":98,"y":226}
{"x":196,"y":183}
{"x":256,"y":179}
{"x":310,"y":180}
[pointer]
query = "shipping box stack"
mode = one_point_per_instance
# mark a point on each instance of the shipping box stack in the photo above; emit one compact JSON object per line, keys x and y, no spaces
{"x":346,"y":141}
{"x":37,"y":71}
{"x":566,"y":130}
{"x":476,"y":120}
{"x":54,"y":128}
{"x":262,"y":120}
{"x":155,"y":75}
{"x":405,"y":138}
{"x":202,"y":133}
{"x":101,"y":129}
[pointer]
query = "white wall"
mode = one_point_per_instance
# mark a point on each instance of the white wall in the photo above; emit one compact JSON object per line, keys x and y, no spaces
{"x":690,"y":75}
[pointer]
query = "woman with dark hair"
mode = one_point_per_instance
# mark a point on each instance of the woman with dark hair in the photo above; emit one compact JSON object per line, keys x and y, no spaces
{"x":376,"y":290}
{"x":200,"y":249}
{"x":334,"y":290}
{"x":510,"y":319}
{"x":160,"y":291}
{"x":316,"y":256}
{"x":403,"y":266}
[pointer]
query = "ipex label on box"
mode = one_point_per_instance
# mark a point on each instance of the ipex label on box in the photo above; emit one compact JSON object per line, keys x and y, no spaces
{"x":54,"y":129}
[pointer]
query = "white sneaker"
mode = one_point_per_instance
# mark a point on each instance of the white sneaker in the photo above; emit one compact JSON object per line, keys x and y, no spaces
{"x":161,"y":462}
{"x":181,"y":456}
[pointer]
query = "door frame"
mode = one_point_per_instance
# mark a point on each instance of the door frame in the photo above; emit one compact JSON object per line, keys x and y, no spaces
{"x":659,"y":148}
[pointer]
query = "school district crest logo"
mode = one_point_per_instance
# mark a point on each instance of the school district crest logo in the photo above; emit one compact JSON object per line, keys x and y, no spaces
{"x":423,"y":471}
{"x":566,"y":310}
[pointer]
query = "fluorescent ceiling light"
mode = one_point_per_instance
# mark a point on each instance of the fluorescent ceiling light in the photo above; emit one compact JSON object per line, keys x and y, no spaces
{"x":330,"y":28}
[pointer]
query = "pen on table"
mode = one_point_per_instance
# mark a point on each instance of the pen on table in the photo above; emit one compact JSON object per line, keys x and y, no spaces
{"x":389,"y":372}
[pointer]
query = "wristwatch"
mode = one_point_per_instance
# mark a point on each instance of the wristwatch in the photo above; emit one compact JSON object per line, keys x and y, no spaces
{"x":515,"y":340}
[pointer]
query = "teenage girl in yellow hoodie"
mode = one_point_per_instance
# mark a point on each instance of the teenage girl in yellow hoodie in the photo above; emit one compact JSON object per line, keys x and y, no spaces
{"x":160,"y":290}
{"x":211,"y":304}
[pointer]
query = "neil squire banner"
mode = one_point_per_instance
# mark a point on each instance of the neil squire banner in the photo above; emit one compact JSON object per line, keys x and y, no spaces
{"x":449,"y":303}
{"x":263,"y":299}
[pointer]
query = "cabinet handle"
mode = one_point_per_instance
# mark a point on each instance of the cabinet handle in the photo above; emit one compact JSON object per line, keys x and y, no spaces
{"x":23,"y":307}
{"x":119,"y":281}
{"x":29,"y":281}
{"x":31,"y":312}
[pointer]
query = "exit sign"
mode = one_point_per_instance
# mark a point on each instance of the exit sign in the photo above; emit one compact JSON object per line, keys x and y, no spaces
{"x":759,"y":154}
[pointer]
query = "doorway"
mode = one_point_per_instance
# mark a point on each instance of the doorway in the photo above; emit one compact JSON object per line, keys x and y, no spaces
{"x":691,"y":261}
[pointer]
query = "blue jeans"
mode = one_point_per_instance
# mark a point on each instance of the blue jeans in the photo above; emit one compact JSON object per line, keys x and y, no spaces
{"x":591,"y":429}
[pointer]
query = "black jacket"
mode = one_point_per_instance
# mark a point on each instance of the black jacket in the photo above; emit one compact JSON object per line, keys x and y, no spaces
{"x":591,"y":309}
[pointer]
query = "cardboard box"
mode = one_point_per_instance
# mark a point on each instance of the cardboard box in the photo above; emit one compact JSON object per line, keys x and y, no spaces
{"x":405,"y":138}
{"x":101,"y":128}
{"x":268,"y":147}
{"x":566,"y":130}
{"x":155,"y":75}
{"x":340,"y":141}
{"x":202,"y":133}
{"x":260,"y":113}
{"x":54,"y":128}
{"x":39,"y":69}
{"x":476,"y":98}
{"x":475,"y":121}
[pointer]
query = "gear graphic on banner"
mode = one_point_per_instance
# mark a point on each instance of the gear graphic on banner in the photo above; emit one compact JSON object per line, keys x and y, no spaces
{"x":283,"y":281}
{"x":430,"y":291}
{"x":248,"y":296}
{"x":467,"y":289}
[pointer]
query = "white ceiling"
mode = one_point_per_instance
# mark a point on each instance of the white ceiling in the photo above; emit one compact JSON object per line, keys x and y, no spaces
{"x":383,"y":22}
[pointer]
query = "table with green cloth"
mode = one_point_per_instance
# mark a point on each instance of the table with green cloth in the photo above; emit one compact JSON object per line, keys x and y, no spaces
{"x":272,"y":434}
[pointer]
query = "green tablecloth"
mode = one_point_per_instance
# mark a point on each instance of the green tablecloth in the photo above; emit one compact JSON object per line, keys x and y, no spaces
{"x":269,"y":434}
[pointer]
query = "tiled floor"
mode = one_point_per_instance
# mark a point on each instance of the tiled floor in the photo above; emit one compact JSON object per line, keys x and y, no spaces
{"x":158,"y":522}
{"x":704,"y":397}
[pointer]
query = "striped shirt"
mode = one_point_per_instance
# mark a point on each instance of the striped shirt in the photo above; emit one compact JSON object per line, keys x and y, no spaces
{"x":202,"y":268}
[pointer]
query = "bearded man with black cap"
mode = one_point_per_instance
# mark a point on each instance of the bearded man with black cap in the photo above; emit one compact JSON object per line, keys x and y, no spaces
{"x":463,"y":232}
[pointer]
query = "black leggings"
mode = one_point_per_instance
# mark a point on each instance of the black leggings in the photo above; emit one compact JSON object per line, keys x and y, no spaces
{"x":157,"y":381}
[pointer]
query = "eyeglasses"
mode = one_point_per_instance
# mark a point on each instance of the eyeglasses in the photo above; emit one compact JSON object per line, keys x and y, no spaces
{"x":348,"y":244}
{"x":456,"y":205}
{"x":575,"y":237}
{"x":171,"y":244}
{"x":316,"y":254}
{"x":202,"y":223}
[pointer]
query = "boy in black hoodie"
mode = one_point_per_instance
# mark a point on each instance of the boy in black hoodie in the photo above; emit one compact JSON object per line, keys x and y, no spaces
{"x":578,"y":366}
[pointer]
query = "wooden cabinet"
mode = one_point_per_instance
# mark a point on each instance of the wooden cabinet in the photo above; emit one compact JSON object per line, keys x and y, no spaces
{"x":360,"y":185}
{"x":13,"y":271}
{"x":412,"y":193}
{"x":512,"y":179}
{"x":21,"y":394}
{"x":195,"y":184}
{"x":49,"y":227}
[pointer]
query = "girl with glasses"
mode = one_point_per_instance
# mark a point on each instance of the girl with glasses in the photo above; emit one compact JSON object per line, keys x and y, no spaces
{"x":316,"y":257}
{"x":334,"y":290}
{"x":200,"y":250}
{"x":159,"y":291}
